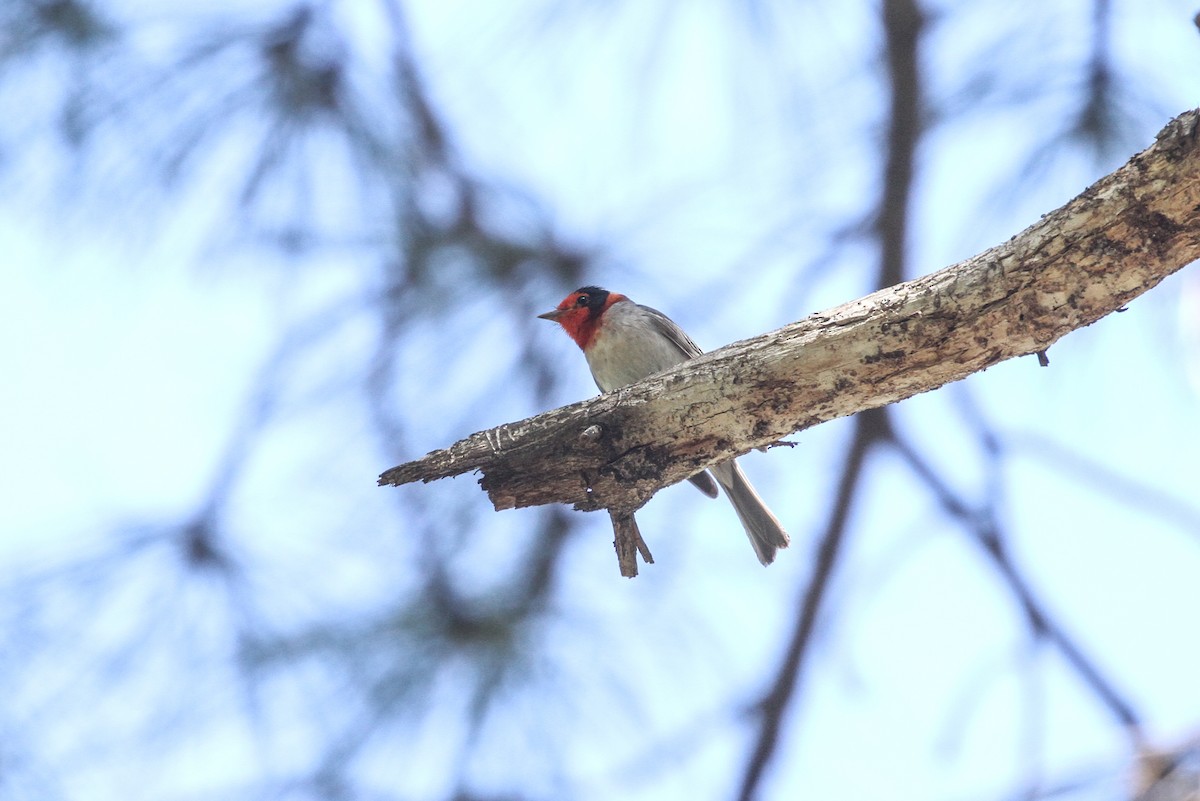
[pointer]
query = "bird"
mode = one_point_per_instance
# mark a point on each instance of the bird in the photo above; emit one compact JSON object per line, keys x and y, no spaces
{"x":625,"y":342}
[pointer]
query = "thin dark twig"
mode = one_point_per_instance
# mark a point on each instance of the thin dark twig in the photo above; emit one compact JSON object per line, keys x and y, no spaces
{"x":986,"y":533}
{"x":1112,"y":484}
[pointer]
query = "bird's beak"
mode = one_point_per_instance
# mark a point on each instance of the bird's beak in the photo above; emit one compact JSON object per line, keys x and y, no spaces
{"x":552,"y":315}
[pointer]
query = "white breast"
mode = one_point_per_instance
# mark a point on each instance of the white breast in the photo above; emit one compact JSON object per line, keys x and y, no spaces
{"x":629,"y":347}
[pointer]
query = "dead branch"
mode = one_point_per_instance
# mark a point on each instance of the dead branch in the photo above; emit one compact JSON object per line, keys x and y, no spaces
{"x":1116,"y":240}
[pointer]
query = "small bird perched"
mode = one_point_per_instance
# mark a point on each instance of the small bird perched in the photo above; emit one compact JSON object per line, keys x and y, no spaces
{"x":624,"y":342}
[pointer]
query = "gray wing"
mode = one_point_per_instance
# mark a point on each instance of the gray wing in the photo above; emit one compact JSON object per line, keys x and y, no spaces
{"x":673,"y":332}
{"x":703,"y":481}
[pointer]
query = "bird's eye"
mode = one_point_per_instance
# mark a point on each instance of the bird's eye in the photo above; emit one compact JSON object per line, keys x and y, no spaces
{"x":582,"y":301}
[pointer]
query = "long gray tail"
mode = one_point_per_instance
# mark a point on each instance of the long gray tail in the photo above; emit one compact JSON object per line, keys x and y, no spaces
{"x":764,"y":530}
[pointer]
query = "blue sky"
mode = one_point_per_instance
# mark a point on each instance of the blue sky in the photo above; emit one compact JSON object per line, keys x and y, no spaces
{"x":707,"y":170}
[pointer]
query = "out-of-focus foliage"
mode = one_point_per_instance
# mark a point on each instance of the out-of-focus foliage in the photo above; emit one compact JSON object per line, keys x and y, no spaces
{"x":411,"y":184}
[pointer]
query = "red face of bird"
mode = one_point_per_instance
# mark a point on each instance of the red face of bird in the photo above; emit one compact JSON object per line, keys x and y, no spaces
{"x":580,"y":312}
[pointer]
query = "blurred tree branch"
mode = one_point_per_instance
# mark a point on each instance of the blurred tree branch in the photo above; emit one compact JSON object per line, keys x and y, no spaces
{"x":903,"y":23}
{"x":1113,"y":242}
{"x":324,"y":135}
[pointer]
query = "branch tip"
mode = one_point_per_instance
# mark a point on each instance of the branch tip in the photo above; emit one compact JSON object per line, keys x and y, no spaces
{"x":627,"y":540}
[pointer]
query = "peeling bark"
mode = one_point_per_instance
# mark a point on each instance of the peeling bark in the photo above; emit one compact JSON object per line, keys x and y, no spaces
{"x":1113,"y":242}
